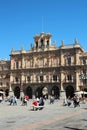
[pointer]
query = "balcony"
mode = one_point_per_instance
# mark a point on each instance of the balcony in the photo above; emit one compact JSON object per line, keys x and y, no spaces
{"x":34,"y":82}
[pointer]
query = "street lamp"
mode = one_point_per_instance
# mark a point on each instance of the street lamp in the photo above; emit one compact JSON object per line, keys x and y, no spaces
{"x":83,"y":77}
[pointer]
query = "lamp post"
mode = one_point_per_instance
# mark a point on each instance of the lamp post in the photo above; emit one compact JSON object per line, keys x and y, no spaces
{"x":83,"y":77}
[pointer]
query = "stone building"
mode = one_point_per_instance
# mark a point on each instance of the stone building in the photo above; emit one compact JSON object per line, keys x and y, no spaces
{"x":4,"y":76}
{"x":48,"y":70}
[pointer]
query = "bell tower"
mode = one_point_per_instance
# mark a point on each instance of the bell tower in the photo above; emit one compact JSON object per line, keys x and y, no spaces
{"x":42,"y":41}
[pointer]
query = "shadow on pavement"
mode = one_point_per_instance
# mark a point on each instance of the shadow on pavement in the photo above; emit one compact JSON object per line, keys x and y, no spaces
{"x":73,"y":128}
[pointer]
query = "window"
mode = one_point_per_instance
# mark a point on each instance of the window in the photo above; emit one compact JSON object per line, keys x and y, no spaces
{"x":16,"y":79}
{"x":17,"y":65}
{"x":41,"y":78}
{"x":28,"y":78}
{"x":1,"y":83}
{"x":7,"y":84}
{"x":84,"y":81}
{"x":84,"y":71}
{"x":7,"y":76}
{"x":54,"y":77}
{"x":69,"y":60}
{"x":69,"y":77}
{"x":84,"y":61}
{"x":8,"y":67}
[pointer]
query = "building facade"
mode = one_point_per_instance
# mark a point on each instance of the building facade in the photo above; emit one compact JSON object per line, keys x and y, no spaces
{"x":4,"y":76}
{"x":47,"y":70}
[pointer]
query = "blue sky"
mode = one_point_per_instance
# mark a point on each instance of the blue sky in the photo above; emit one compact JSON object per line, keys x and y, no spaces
{"x":21,"y":20}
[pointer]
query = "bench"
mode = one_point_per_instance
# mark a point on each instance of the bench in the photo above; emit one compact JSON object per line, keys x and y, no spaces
{"x":34,"y":108}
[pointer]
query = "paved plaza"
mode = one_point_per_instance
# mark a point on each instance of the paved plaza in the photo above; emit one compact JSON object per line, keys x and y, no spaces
{"x":52,"y":117}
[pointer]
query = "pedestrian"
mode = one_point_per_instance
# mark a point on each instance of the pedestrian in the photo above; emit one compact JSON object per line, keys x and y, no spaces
{"x":68,"y":102}
{"x":41,"y":101}
{"x":15,"y":101}
{"x":65,"y":102}
{"x":51,"y":99}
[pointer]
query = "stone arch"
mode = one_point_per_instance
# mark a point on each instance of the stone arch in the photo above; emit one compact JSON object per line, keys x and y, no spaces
{"x":55,"y":91}
{"x":17,"y":91}
{"x":38,"y":92}
{"x":7,"y":92}
{"x":69,"y":91}
{"x":28,"y":92}
{"x":45,"y":92}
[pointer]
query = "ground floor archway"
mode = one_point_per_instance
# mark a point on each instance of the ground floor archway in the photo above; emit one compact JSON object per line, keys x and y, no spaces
{"x":45,"y":92}
{"x":28,"y":92}
{"x":38,"y":92}
{"x":17,"y":91}
{"x":55,"y":91}
{"x":69,"y":91}
{"x":7,"y":92}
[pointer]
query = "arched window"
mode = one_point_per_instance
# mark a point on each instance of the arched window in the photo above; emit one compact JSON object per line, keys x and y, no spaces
{"x":42,"y":44}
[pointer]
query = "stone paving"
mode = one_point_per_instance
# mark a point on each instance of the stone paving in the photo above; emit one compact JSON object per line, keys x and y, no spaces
{"x":52,"y":117}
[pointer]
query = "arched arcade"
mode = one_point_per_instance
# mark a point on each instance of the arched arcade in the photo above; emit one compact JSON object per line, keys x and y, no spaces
{"x":69,"y":91}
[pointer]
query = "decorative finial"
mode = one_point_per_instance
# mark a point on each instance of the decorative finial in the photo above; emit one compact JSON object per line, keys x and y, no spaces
{"x":62,"y":42}
{"x":76,"y":41}
{"x":12,"y":49}
{"x":22,"y":48}
{"x":55,"y":43}
{"x":31,"y":45}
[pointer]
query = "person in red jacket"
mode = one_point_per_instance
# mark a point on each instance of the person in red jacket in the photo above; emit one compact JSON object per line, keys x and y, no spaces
{"x":35,"y":103}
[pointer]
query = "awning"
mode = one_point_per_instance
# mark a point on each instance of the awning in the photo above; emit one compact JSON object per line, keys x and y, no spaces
{"x":2,"y":92}
{"x":81,"y":92}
